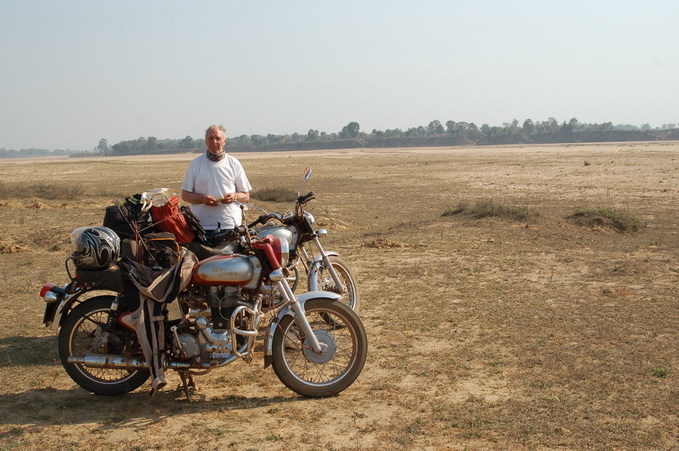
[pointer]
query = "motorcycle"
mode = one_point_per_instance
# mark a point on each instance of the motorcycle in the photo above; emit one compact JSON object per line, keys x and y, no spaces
{"x":316,"y":345}
{"x":324,"y":270}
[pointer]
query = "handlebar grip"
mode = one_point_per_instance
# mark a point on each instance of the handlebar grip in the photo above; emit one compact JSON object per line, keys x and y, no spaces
{"x":305,"y":197}
{"x":261,"y":220}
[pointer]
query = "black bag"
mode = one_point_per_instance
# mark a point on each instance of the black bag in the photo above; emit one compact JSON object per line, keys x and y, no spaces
{"x":128,"y":220}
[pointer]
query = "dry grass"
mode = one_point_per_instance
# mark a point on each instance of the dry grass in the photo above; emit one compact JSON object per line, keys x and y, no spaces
{"x":485,"y":332}
{"x":491,"y":209}
{"x":606,"y":218}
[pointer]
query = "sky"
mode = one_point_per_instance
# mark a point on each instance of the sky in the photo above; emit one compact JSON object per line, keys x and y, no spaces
{"x":75,"y":71}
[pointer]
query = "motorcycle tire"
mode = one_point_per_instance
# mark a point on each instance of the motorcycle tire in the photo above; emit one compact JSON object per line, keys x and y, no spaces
{"x":350,"y":297}
{"x":79,"y":336}
{"x":320,"y":375}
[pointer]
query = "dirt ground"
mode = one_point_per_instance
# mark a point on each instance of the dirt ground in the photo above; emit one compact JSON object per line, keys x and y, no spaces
{"x":497,"y":332}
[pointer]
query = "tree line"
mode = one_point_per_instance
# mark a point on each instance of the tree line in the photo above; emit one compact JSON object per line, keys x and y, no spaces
{"x":351,"y":135}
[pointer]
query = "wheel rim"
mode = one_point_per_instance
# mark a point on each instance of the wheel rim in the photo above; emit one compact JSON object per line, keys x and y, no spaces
{"x":86,"y":338}
{"x":329,"y":367}
{"x":328,"y":284}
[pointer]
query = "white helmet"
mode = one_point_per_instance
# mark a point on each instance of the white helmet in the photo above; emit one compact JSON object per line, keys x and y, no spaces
{"x":95,"y":247}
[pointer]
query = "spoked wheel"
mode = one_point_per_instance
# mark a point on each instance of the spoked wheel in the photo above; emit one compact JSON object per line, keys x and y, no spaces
{"x":326,"y":283}
{"x":83,"y":333}
{"x":343,"y":338}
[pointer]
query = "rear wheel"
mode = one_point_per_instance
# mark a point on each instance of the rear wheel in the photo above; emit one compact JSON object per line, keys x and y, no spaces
{"x":341,"y":334}
{"x":326,"y":283}
{"x":83,"y":333}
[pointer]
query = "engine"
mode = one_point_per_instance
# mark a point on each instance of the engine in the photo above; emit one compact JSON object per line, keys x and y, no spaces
{"x":206,"y":334}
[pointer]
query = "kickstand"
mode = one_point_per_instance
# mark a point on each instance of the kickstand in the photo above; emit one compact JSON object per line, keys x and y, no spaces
{"x":187,"y":383}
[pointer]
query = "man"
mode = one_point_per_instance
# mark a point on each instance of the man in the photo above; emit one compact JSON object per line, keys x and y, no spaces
{"x":213,"y":182}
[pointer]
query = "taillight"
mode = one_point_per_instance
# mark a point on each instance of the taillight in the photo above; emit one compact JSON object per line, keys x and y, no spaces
{"x":46,"y":289}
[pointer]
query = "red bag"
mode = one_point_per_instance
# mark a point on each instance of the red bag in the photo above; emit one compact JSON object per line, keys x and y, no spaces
{"x":168,"y":218}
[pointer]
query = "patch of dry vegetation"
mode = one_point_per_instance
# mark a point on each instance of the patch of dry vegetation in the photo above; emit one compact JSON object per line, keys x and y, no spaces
{"x":491,"y":209}
{"x":45,"y":191}
{"x":606,"y":218}
{"x":273,"y":194}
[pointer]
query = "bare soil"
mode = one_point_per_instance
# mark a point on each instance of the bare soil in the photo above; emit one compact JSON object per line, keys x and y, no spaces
{"x":485,"y":333}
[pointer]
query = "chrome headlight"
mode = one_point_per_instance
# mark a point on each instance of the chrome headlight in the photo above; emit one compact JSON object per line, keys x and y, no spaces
{"x":309,"y":217}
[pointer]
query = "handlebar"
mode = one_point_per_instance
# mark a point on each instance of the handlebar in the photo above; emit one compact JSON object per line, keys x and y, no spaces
{"x":262,"y":219}
{"x":305,"y":197}
{"x":225,"y":235}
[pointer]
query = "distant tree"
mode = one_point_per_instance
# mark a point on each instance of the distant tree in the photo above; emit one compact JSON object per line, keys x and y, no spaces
{"x":450,"y":127}
{"x":646,"y":127}
{"x":473,"y":131}
{"x":528,"y":126}
{"x":351,"y":130}
{"x":435,"y":128}
{"x":141,"y":145}
{"x":152,"y":143}
{"x":187,"y":143}
{"x":570,"y":126}
{"x":103,"y":146}
{"x":312,"y":135}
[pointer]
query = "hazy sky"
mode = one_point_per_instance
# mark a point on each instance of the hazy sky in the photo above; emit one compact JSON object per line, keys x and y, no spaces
{"x":75,"y":71}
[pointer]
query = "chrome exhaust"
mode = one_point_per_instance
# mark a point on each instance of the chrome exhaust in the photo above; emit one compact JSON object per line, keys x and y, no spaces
{"x":119,"y":362}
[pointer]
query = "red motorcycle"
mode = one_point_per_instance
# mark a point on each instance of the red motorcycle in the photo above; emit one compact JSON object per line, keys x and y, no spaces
{"x":193,"y":317}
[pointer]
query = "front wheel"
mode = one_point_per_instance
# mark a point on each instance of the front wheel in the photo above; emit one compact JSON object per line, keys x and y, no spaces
{"x":343,"y":337}
{"x":84,"y":332}
{"x":326,"y":283}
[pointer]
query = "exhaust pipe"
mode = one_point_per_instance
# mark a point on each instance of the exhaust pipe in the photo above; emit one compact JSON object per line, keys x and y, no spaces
{"x":118,"y":362}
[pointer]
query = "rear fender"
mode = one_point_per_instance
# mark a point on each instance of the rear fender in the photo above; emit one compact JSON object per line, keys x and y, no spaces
{"x":55,"y":317}
{"x":282,"y":313}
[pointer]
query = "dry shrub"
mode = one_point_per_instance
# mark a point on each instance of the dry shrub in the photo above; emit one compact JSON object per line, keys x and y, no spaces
{"x":489,"y":208}
{"x":41,"y":191}
{"x":383,"y":243}
{"x":10,"y":248}
{"x":606,"y":218}
{"x":274,"y":195}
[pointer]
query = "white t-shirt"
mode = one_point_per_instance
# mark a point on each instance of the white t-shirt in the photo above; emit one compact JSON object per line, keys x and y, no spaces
{"x":217,"y":178}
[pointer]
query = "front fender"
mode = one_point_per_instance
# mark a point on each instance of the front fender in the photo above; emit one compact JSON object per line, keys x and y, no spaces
{"x":302,"y":298}
{"x":314,"y":267}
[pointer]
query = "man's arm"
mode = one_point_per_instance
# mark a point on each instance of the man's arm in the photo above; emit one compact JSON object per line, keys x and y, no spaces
{"x":197,"y":198}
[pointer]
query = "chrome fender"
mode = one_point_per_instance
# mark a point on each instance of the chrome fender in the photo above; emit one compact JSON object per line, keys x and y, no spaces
{"x":282,"y":313}
{"x":314,"y":268}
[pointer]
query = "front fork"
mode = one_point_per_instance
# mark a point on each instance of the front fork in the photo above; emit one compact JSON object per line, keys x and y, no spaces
{"x":300,"y":316}
{"x":323,"y":261}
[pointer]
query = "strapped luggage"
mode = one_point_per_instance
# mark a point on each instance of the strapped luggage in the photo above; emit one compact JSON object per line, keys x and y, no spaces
{"x":128,"y":220}
{"x":169,"y":218}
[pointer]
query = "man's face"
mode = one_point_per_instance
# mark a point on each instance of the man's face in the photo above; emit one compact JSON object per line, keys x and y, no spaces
{"x":215,"y":141}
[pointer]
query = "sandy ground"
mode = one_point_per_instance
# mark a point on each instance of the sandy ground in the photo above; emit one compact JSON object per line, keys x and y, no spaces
{"x":484,"y":333}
